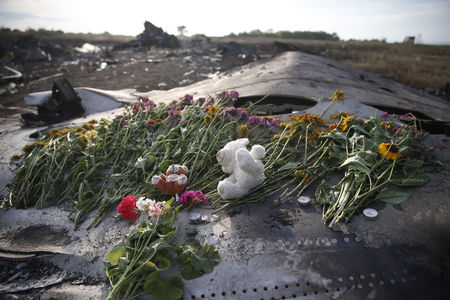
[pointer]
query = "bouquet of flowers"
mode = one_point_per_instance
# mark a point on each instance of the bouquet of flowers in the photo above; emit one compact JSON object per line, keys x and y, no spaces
{"x":140,"y":262}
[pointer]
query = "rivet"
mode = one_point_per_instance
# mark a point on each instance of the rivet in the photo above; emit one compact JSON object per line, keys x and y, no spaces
{"x":304,"y":200}
{"x":370,"y":213}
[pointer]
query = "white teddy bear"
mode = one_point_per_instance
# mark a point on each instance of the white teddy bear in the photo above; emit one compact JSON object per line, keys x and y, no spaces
{"x":245,"y":168}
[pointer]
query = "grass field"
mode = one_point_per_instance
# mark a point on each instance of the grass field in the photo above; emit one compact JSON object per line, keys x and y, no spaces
{"x":419,"y":66}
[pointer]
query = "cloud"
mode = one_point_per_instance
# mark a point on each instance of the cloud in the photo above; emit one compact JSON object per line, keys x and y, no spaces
{"x":17,"y":16}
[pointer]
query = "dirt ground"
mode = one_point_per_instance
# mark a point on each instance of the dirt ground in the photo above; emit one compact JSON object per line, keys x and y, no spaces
{"x":197,"y":59}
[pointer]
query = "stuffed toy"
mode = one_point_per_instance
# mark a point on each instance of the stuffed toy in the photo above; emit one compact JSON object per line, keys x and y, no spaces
{"x":173,"y":182}
{"x":245,"y":168}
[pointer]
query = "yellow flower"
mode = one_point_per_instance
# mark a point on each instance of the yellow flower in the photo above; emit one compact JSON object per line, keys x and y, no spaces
{"x":316,"y":134}
{"x":243,"y":130}
{"x":344,"y":124}
{"x":87,"y":137}
{"x":332,"y":126}
{"x":389,"y":151}
{"x":16,"y":156}
{"x":207,"y":119}
{"x":212,"y":110}
{"x":276,"y":136}
{"x":93,"y":121}
{"x":308,"y":119}
{"x":53,"y":132}
{"x":304,"y":177}
{"x":88,"y":126}
{"x":338,"y":96}
{"x":340,"y":114}
{"x":287,"y":125}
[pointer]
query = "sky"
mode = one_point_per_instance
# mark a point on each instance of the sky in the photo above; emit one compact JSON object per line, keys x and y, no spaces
{"x":350,"y":19}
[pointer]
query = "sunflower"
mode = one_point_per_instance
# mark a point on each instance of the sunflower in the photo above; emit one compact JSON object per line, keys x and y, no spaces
{"x":303,"y":176}
{"x":389,"y":151}
{"x":207,"y":119}
{"x":212,"y":110}
{"x":344,"y":124}
{"x":243,"y":130}
{"x":338,"y":96}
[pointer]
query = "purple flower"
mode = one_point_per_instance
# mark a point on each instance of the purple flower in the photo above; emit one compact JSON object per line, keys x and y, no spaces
{"x":200,"y":101}
{"x":396,"y":129}
{"x":222,"y":95}
{"x":121,"y":121}
{"x":408,"y":117}
{"x":192,"y":198}
{"x":234,"y":95}
{"x":186,"y":100}
{"x":174,"y":114}
{"x":254,"y":120}
{"x":242,"y":112}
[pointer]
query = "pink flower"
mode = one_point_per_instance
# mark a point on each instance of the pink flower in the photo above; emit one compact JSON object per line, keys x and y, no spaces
{"x":127,"y":208}
{"x":121,"y":120}
{"x":192,"y":198}
{"x":143,"y":103}
{"x":156,"y":209}
{"x":385,"y":114}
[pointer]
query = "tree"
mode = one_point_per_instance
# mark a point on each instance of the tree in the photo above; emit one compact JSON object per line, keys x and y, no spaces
{"x":182,"y":30}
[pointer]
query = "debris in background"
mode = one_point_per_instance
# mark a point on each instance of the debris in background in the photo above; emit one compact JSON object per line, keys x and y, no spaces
{"x":88,"y":48}
{"x":63,"y":104}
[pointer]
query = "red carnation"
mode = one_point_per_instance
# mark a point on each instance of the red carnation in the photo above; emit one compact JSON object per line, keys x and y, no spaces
{"x":126,"y":208}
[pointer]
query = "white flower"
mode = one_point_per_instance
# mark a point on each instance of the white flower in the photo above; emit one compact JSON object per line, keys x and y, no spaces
{"x":143,"y":204}
{"x":154,"y":209}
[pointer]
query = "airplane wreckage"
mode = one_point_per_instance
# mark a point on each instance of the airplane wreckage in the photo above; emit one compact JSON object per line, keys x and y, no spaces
{"x":394,"y":250}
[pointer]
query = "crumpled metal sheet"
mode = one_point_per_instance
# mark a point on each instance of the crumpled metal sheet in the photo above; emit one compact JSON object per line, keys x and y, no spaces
{"x":283,"y":252}
{"x":298,"y":74}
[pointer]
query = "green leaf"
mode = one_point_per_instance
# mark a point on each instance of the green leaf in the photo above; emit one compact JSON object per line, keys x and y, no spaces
{"x":288,"y":166}
{"x":358,"y":128}
{"x":197,"y":259}
{"x":189,"y":272}
{"x":356,"y":163}
{"x":392,"y":197}
{"x":160,"y":244}
{"x":118,"y":251}
{"x":409,"y":181}
{"x":161,"y":289}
